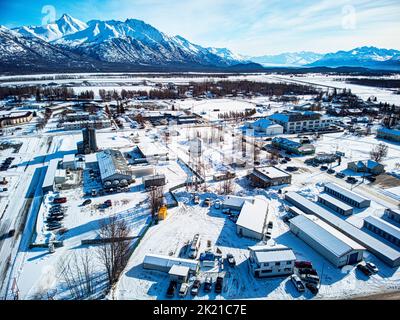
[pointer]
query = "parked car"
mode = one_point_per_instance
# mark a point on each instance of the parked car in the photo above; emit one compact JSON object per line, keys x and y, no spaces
{"x":298,"y":284}
{"x":303,"y":264}
{"x":217,"y":204}
{"x":171,"y":289}
{"x":219,"y":284}
{"x":231,"y":259}
{"x":283,"y":161}
{"x":372,"y":267}
{"x":312,"y":287}
{"x":108,"y":203}
{"x":370,"y":178}
{"x":196,"y":199}
{"x":340,"y":175}
{"x":364,"y":270}
{"x":87,"y":202}
{"x":292,"y":169}
{"x":324,"y":168}
{"x":11,"y":233}
{"x":308,"y":271}
{"x":207,"y":202}
{"x":351,"y":180}
{"x":60,"y":200}
{"x":208,"y":284}
{"x":331,"y":171}
{"x":183,"y":290}
{"x":310,"y":278}
{"x":195,"y":288}
{"x":288,"y":159}
{"x":226,"y":211}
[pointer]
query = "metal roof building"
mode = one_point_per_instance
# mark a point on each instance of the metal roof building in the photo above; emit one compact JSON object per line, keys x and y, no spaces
{"x":383,"y":229}
{"x":164,"y":263}
{"x":384,"y":252}
{"x":346,"y":195}
{"x":252,"y":219}
{"x":335,"y":204}
{"x":48,"y":183}
{"x":114,"y":170}
{"x":337,"y":248}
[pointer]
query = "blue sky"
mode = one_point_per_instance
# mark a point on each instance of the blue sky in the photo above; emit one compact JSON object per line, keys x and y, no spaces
{"x":254,"y":27}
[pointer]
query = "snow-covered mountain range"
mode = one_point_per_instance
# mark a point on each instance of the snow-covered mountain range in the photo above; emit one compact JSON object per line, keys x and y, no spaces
{"x":100,"y":45}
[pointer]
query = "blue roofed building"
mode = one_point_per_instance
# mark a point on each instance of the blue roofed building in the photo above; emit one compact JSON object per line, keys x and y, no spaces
{"x":389,"y":134}
{"x":293,"y":146}
{"x":265,"y":126}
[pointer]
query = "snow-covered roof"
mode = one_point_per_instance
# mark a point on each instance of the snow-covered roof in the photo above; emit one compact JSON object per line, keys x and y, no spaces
{"x":384,"y":226}
{"x":264,"y":123}
{"x":234,"y":201}
{"x":345,"y":192}
{"x":69,"y":158}
{"x":50,"y":173}
{"x":112,"y":162}
{"x":177,"y":270}
{"x":274,"y":256}
{"x":326,"y":236}
{"x":272,"y":172}
{"x":328,"y":198}
{"x":253,"y":215}
{"x":380,"y":249}
{"x":167,"y":261}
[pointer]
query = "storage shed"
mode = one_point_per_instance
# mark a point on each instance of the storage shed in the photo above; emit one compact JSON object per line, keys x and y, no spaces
{"x":384,"y":229}
{"x":346,"y":195}
{"x":164,"y":263}
{"x":335,"y":204}
{"x":337,"y":248}
{"x":179,"y":274}
{"x":384,"y":252}
{"x":393,"y":214}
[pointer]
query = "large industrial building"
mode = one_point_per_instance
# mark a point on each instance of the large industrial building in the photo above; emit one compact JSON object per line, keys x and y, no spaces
{"x":48,"y":183}
{"x":346,"y":195}
{"x":89,"y":143}
{"x":337,"y":248}
{"x":384,"y":252}
{"x":383,"y":228}
{"x":114,"y":170}
{"x":295,"y":122}
{"x":271,"y":261}
{"x":269,"y":177}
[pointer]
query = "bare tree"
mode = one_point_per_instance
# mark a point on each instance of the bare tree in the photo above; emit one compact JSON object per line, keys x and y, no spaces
{"x":77,"y":273}
{"x":156,"y":197}
{"x":114,"y":252}
{"x":379,"y":152}
{"x":227,"y":186}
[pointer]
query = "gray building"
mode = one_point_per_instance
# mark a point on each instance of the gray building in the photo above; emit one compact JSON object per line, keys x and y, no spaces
{"x":346,"y":195}
{"x":335,"y":204}
{"x":393,"y":214}
{"x":48,"y":182}
{"x":114,"y":170}
{"x":384,"y":229}
{"x":337,"y":248}
{"x":89,"y":143}
{"x":269,"y":177}
{"x":157,"y":180}
{"x":384,"y":252}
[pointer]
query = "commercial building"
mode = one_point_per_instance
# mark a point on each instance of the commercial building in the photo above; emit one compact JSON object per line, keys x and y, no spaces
{"x":92,"y":124}
{"x":384,"y":229}
{"x":384,"y":252}
{"x":69,"y":162}
{"x":347,"y":196}
{"x":265,"y":126}
{"x":271,"y":261}
{"x":368,"y":166}
{"x":114,"y":171}
{"x":393,"y":214}
{"x":389,"y":134}
{"x":337,"y":248}
{"x":295,"y":122}
{"x":48,"y":182}
{"x":335,"y":204}
{"x":157,"y":180}
{"x":269,"y":177}
{"x":14,"y":119}
{"x":89,"y":143}
{"x":293,"y":146}
{"x":253,"y":219}
{"x":164,"y":263}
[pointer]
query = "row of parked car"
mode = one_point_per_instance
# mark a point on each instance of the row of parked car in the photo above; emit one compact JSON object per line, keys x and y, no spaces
{"x":196,"y":287}
{"x":305,"y":277}
{"x":6,"y":164}
{"x":56,"y":214}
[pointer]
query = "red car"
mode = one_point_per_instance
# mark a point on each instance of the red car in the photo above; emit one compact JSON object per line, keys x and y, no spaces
{"x":303,"y":265}
{"x":60,"y":200}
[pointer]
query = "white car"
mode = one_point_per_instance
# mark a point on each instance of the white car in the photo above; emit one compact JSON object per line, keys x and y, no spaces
{"x":297,"y":283}
{"x":183,"y":290}
{"x":372,"y":267}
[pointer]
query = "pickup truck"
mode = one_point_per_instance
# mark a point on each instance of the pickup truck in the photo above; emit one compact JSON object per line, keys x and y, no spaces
{"x":219,"y":284}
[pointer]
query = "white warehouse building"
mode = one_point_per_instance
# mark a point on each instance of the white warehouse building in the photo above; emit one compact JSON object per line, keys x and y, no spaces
{"x":337,"y":248}
{"x":265,"y":126}
{"x":114,"y":170}
{"x":253,"y":219}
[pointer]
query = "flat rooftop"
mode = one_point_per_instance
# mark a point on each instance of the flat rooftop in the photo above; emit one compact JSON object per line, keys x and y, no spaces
{"x":273,"y":172}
